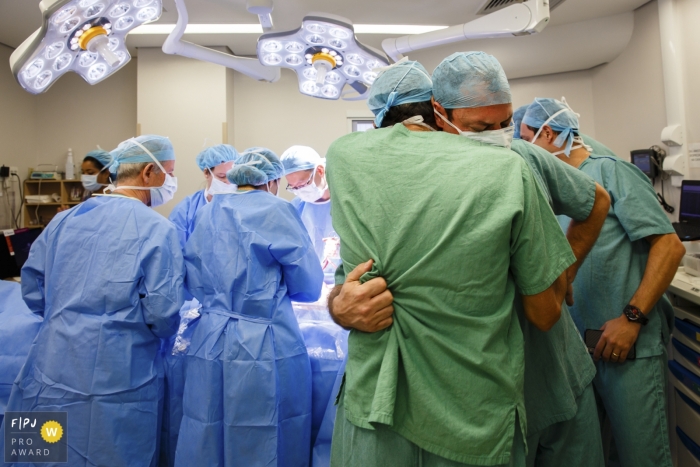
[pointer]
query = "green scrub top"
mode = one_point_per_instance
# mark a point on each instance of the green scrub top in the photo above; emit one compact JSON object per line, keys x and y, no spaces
{"x":599,"y":148}
{"x":453,"y":226}
{"x":614,"y":268}
{"x":558,"y":367}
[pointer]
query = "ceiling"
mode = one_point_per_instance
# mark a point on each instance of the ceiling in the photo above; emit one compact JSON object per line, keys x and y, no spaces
{"x":19,"y":18}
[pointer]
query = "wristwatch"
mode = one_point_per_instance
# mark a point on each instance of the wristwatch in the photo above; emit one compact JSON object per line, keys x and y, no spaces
{"x":635,"y":315}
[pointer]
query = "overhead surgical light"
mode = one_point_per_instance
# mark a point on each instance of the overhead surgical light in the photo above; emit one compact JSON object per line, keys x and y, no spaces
{"x":325,"y":55}
{"x":82,"y":36}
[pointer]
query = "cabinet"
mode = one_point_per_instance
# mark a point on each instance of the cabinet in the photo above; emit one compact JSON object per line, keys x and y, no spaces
{"x":62,"y":192}
{"x":684,"y":366}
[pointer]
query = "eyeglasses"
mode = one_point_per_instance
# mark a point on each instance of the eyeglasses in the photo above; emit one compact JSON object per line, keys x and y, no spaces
{"x":293,"y":189}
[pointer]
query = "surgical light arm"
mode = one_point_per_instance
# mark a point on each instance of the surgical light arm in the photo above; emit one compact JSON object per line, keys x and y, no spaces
{"x":519,"y":19}
{"x":251,"y":67}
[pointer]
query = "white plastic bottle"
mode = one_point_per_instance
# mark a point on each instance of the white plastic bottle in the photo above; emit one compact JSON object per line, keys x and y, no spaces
{"x":70,"y":169}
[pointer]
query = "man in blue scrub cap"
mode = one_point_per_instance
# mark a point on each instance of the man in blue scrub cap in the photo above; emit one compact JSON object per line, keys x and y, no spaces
{"x":305,"y":171}
{"x":559,"y":398}
{"x":214,"y":162}
{"x":107,"y":276}
{"x":598,"y":147}
{"x":620,"y":288}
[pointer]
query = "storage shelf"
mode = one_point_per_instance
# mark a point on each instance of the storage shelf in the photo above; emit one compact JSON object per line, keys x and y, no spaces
{"x":32,"y":211}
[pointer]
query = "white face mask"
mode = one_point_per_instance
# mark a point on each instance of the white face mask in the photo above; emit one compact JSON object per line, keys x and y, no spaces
{"x":90,"y":182}
{"x":502,"y":138}
{"x":311,"y":193}
{"x":159,"y":195}
{"x":217,"y":187}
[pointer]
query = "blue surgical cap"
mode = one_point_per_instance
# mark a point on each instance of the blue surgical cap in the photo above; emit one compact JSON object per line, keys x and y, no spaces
{"x":298,"y":158}
{"x":271,"y":158}
{"x":252,"y":168}
{"x":130,"y":153}
{"x":470,"y":79}
{"x":101,"y":156}
{"x":565,"y":123}
{"x":518,"y":119}
{"x":216,"y":155}
{"x":402,"y":83}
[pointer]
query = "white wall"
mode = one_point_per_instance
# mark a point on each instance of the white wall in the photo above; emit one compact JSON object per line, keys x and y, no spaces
{"x":17,"y":123}
{"x":278,"y":116}
{"x":576,"y":87}
{"x":629,"y":92}
{"x":40,"y":129}
{"x":690,"y":15}
{"x":185,"y":100}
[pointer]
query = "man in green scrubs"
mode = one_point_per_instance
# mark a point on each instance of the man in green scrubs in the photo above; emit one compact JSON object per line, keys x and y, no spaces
{"x":597,"y":147}
{"x":562,"y":418}
{"x":619,"y":289}
{"x":453,"y":226}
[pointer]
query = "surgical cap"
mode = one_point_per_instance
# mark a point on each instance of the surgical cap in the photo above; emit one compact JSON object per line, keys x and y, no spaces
{"x":298,"y":158}
{"x":470,"y":79}
{"x":271,"y":158}
{"x":402,"y":83}
{"x":216,"y":155}
{"x":518,"y":119}
{"x":130,"y":153}
{"x":565,"y":123}
{"x":252,"y":168}
{"x":101,"y":156}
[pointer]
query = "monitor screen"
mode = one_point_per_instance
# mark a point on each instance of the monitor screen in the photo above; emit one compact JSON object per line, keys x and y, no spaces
{"x":643,"y":162}
{"x":690,"y":201}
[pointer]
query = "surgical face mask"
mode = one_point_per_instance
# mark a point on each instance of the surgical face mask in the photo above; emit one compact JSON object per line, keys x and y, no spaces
{"x":217,"y":187}
{"x":159,"y":195}
{"x":90,"y":182}
{"x":311,"y":193}
{"x":502,"y":138}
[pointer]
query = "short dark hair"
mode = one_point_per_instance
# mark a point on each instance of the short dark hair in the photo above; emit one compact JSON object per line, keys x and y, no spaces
{"x":535,"y":130}
{"x":399,"y":113}
{"x":95,"y":162}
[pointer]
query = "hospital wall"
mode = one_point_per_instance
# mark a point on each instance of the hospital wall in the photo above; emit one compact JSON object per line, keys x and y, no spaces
{"x":621,"y":103}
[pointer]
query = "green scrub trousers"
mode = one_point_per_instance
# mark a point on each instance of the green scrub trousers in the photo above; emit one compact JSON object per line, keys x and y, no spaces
{"x":571,"y":443}
{"x":641,"y":436}
{"x":383,"y":447}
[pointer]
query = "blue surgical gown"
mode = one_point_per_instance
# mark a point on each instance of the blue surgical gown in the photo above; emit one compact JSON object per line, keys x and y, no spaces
{"x":317,"y":220}
{"x":247,"y":399}
{"x":107,"y":275}
{"x":183,"y":215}
{"x":18,"y":328}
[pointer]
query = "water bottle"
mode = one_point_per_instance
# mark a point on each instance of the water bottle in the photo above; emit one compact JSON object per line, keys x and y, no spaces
{"x":70,"y":170}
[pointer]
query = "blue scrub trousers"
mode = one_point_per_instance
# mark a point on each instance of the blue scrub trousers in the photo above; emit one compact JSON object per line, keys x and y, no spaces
{"x":633,"y":397}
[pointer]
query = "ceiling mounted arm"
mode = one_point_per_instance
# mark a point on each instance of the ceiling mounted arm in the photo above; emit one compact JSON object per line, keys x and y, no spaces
{"x":518,"y":19}
{"x":174,"y":45}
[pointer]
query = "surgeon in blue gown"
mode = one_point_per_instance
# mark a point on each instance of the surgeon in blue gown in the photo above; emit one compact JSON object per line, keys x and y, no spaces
{"x":305,"y":171}
{"x":247,"y":398}
{"x":107,"y":276}
{"x":214,"y":162}
{"x":18,"y":328}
